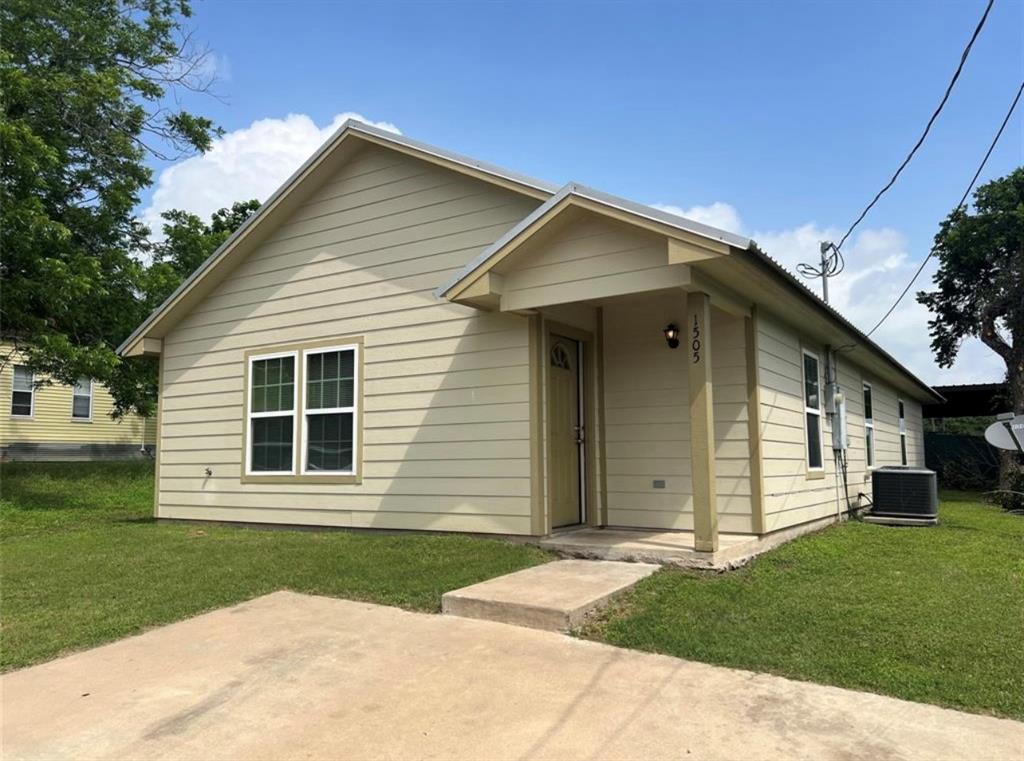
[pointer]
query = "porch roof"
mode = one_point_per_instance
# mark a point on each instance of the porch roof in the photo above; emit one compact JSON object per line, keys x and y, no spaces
{"x":696,"y":235}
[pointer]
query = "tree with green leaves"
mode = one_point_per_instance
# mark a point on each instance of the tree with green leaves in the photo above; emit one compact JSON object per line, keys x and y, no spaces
{"x":980,"y":292}
{"x":187,"y":243}
{"x":86,"y":90}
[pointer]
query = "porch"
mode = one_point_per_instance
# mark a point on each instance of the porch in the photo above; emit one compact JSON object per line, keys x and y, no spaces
{"x":643,"y":416}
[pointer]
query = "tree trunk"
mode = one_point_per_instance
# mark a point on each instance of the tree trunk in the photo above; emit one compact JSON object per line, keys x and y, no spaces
{"x":1011,"y":464}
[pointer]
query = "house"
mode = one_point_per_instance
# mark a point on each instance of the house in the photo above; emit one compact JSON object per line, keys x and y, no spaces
{"x":407,"y":338}
{"x":52,"y":421}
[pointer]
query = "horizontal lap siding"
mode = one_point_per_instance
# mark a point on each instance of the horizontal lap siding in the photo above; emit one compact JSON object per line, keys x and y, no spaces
{"x":446,"y":388}
{"x":791,"y":497}
{"x":647,"y":426}
{"x":51,"y":422}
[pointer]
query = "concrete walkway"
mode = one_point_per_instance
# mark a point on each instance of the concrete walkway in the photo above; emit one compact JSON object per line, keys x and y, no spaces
{"x":289,"y":676}
{"x":555,"y":596}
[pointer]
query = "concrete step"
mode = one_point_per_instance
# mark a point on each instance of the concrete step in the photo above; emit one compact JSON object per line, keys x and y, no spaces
{"x":556,"y":596}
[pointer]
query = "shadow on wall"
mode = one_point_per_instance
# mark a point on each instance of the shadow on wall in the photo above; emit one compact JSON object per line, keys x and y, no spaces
{"x":445,"y":393}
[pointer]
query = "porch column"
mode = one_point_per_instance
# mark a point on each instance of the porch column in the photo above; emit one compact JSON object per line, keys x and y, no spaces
{"x":697,"y":342}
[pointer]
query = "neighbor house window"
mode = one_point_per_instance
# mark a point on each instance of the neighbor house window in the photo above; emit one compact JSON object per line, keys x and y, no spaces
{"x":81,"y":400}
{"x":903,"y":433}
{"x":812,"y":410}
{"x":22,"y":392}
{"x":329,"y":410}
{"x":869,"y":427}
{"x":271,"y":414}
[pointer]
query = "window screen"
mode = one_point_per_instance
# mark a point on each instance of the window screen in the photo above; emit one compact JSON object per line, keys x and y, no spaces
{"x":81,"y":399}
{"x":272,"y":415}
{"x":812,"y":411}
{"x":330,"y":410}
{"x":22,"y":391}
{"x":869,"y":427}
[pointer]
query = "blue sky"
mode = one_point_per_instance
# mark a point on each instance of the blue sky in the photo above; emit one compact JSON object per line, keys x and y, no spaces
{"x":779,"y":119}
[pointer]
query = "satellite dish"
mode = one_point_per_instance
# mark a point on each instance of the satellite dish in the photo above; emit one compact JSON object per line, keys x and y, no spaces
{"x":1007,"y":434}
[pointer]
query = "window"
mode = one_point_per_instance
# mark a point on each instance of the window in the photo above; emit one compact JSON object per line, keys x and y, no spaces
{"x":303,"y":413}
{"x":329,"y":406}
{"x":812,"y":410}
{"x":869,"y":427}
{"x":903,"y":433}
{"x":22,"y":392}
{"x":271,"y":414}
{"x":81,"y":400}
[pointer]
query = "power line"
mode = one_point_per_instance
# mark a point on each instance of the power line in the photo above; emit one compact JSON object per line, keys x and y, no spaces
{"x":927,"y":128}
{"x":963,"y":199}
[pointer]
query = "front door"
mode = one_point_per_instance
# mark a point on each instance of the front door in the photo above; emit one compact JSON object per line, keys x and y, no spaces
{"x":566,"y":430}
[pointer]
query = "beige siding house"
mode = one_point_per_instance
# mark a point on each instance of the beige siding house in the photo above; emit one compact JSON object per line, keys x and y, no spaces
{"x":406,"y":338}
{"x":51,"y":421}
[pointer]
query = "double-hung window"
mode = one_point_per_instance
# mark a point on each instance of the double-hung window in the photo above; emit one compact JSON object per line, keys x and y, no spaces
{"x":22,"y":392}
{"x":812,"y":409}
{"x":903,"y":433}
{"x":302,"y":413}
{"x":81,"y":400}
{"x":271,"y":414}
{"x":329,"y":410}
{"x":869,"y":427}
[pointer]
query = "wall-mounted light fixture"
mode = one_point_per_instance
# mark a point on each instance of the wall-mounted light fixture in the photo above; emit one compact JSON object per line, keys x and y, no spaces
{"x":671,"y":335}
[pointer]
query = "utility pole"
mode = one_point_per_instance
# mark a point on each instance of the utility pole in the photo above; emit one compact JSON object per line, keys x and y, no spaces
{"x":825,"y":246}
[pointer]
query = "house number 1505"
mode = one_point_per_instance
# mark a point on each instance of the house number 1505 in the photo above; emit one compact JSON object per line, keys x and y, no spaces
{"x":695,"y":345}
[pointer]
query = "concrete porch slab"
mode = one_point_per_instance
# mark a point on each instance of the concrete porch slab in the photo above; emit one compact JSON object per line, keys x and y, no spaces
{"x":556,"y":596}
{"x":664,"y":547}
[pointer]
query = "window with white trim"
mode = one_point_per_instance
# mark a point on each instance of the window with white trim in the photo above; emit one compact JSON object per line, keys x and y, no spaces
{"x":869,"y":427}
{"x":329,"y":410}
{"x":271,"y":414}
{"x":812,"y":409}
{"x":22,"y":392}
{"x":903,"y":433}
{"x":81,"y":400}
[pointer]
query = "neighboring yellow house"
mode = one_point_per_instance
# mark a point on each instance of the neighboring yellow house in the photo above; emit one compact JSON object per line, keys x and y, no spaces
{"x":58,"y":422}
{"x":406,"y":338}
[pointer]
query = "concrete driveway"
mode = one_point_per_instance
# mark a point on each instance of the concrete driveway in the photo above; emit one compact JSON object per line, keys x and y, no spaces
{"x":289,"y":676}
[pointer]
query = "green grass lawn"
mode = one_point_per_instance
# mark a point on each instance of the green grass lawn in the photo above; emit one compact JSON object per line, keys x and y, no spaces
{"x":927,"y":614}
{"x":82,"y":561}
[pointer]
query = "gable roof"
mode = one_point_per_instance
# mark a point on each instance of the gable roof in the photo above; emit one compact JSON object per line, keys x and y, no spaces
{"x":247,"y":235}
{"x":350,"y":130}
{"x":576,"y":194}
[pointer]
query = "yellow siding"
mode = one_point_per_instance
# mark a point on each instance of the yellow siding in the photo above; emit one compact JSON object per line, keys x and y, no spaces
{"x":446,"y":388}
{"x":647,"y":423}
{"x":792,"y":496}
{"x":51,"y":421}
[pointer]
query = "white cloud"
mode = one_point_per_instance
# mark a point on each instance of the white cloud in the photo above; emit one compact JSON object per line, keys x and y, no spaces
{"x":879,"y":265}
{"x":718,"y":214}
{"x":248,"y":163}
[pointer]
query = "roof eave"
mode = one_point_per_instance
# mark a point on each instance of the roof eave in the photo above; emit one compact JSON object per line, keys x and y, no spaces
{"x":531,"y":186}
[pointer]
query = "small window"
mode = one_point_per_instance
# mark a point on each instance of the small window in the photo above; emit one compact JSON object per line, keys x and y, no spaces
{"x":22,"y":392}
{"x":271,"y":414}
{"x":812,"y":410}
{"x":330,"y":410}
{"x":903,"y":433}
{"x":81,"y":400}
{"x":869,"y":427}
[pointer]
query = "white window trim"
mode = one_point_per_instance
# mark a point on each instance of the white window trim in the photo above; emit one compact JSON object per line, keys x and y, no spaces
{"x":250,"y":415}
{"x":87,"y":419}
{"x":902,"y":422}
{"x":870,"y":456}
{"x":813,"y":411}
{"x":32,"y":391}
{"x":354,"y":410}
